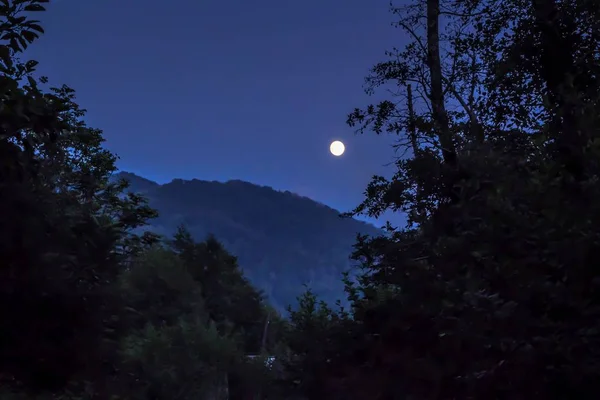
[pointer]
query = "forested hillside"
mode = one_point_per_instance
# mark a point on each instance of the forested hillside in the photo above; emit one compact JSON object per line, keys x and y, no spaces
{"x":283,"y":241}
{"x":492,"y":291}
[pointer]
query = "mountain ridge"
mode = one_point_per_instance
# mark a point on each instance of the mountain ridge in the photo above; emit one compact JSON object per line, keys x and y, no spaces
{"x":282,"y":240}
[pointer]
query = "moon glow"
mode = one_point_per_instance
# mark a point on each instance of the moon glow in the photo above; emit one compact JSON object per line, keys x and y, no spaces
{"x":337,"y":148}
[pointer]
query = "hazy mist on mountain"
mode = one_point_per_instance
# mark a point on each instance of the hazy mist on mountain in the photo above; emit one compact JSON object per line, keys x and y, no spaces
{"x":283,"y":241}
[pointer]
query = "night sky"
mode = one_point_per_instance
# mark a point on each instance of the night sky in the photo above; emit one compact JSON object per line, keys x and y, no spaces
{"x":217,"y":90}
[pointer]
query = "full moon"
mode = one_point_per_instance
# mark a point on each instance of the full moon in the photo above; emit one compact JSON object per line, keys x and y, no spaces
{"x":337,"y":148}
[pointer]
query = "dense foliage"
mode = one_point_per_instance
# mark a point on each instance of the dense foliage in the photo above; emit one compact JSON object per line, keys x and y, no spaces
{"x":190,"y":319}
{"x":64,"y":228}
{"x":491,"y":291}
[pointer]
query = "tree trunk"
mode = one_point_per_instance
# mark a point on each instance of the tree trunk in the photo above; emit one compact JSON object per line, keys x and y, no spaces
{"x":557,"y":65}
{"x":438,"y":107}
{"x":412,"y":129}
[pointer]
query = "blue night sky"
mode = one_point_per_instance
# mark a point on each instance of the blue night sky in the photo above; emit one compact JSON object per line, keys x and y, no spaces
{"x":219,"y":90}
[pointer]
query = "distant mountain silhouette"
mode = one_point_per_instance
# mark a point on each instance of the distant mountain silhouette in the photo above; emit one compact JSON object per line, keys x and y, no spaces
{"x":282,"y":240}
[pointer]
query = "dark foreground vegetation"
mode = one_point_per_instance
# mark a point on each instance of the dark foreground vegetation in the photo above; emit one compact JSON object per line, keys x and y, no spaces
{"x":492,"y":291}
